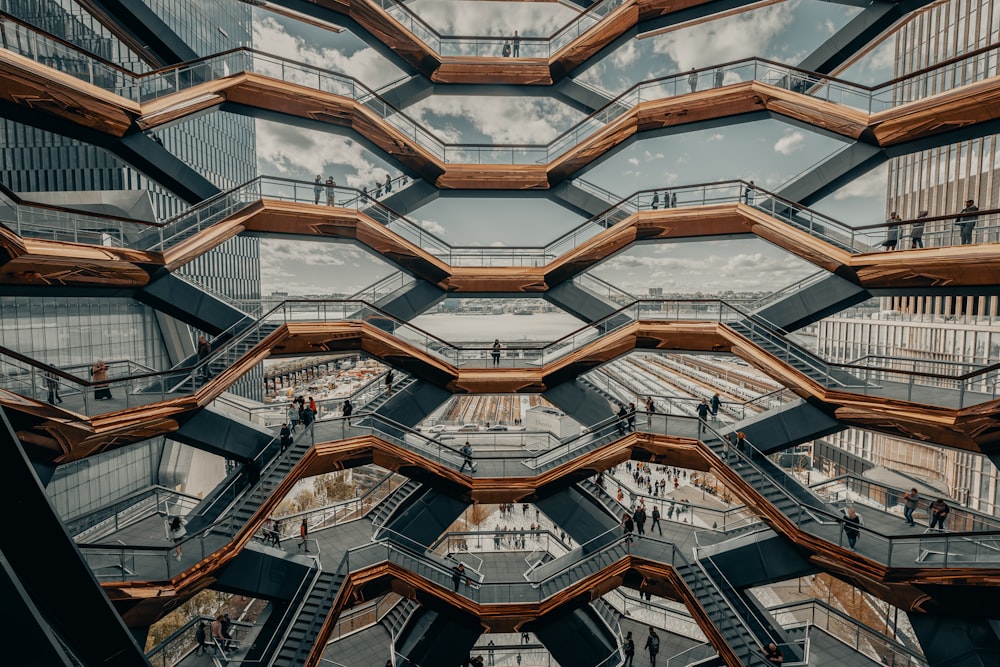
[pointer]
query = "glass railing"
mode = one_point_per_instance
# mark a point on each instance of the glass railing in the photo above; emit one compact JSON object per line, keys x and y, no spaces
{"x":951,"y":384}
{"x":848,"y":630}
{"x":666,"y":618}
{"x":869,"y":493}
{"x":182,"y":642}
{"x":976,"y":66}
{"x":130,"y":510}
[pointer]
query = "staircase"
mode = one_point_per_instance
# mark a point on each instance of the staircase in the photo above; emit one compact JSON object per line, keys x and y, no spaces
{"x":309,"y":619}
{"x":779,"y":346}
{"x":397,"y":617}
{"x":583,"y":568}
{"x":385,"y":509}
{"x":382,"y":399}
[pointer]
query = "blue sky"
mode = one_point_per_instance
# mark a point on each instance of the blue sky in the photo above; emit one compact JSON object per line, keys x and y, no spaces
{"x":769,"y":151}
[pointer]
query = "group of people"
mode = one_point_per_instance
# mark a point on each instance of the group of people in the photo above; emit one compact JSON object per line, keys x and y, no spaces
{"x":302,"y":412}
{"x":937,"y":511}
{"x":652,"y":646}
{"x":966,"y":223}
{"x":222,"y":637}
{"x":512,"y":47}
{"x":329,"y":188}
{"x":708,"y":409}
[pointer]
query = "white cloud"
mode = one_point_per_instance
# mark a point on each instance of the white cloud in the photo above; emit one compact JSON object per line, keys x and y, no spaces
{"x":718,"y":136}
{"x":626,"y":55}
{"x":871,"y":184}
{"x":789,"y":142}
{"x":451,"y":17}
{"x":434,"y":228}
{"x":731,"y":38}
{"x":634,"y":161}
{"x":287,"y":150}
{"x":503,"y":120}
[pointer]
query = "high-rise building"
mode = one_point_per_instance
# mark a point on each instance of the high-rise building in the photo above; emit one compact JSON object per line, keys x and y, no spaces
{"x":950,"y":333}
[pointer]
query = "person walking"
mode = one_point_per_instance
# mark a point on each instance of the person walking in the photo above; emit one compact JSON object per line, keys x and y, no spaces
{"x":655,"y":515}
{"x":217,"y":637}
{"x":285,"y":437}
{"x":293,"y":417}
{"x":490,"y":651}
{"x":693,"y":80}
{"x":852,"y":527}
{"x":176,"y":532}
{"x":348,"y":410}
{"x":200,"y":635}
{"x":516,"y":45}
{"x":304,"y":535}
{"x":653,"y":646}
{"x":748,"y":193}
{"x":318,"y":189}
{"x":939,"y":511}
{"x":622,"y":419}
{"x":505,"y":51}
{"x":52,"y":384}
{"x":892,"y":232}
{"x":495,"y":352}
{"x":910,"y":500}
{"x":967,"y":221}
{"x":275,"y":532}
{"x":388,"y":383}
{"x":627,"y":527}
{"x":388,"y":184}
{"x":917,"y":231}
{"x":640,"y":518}
{"x":655,"y":203}
{"x":227,"y":624}
{"x":714,"y":405}
{"x":703,"y":411}
{"x":628,"y":648}
{"x":331,"y":191}
{"x":204,"y":352}
{"x":650,"y":410}
{"x":467,"y":458}
{"x":630,"y":416}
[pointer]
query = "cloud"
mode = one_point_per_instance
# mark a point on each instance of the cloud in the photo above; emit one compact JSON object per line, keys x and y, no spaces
{"x":451,"y":17}
{"x":868,"y":185}
{"x":366,"y":64}
{"x":626,"y":55}
{"x":731,"y":38}
{"x":790,"y":141}
{"x":285,"y":150}
{"x":434,"y":228}
{"x":502,"y":120}
{"x":718,"y":136}
{"x":634,"y":161}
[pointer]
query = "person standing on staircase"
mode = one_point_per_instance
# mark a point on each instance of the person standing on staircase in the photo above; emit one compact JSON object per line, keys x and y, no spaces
{"x":388,"y":383}
{"x":702,"y":415}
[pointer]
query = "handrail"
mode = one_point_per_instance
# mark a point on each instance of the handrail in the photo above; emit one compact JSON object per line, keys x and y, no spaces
{"x":292,"y":612}
{"x":613,"y":109}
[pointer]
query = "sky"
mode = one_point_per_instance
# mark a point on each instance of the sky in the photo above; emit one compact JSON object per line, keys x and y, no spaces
{"x":770,"y":152}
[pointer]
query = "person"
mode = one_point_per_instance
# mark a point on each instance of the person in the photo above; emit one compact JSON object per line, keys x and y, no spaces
{"x":652,"y":645}
{"x":622,"y":417}
{"x":773,"y":654}
{"x":516,"y":44}
{"x":388,"y":184}
{"x":217,"y":636}
{"x":467,"y":457}
{"x":227,"y":624}
{"x":910,"y":500}
{"x":331,"y":191}
{"x":628,"y":648}
{"x":693,"y":80}
{"x":673,"y":200}
{"x":666,"y":199}
{"x":939,"y":511}
{"x":52,"y":384}
{"x":204,"y":352}
{"x":716,"y":402}
{"x":631,"y":416}
{"x":457,"y":574}
{"x":293,"y":417}
{"x":388,"y":383}
{"x":892,"y":233}
{"x":650,"y":410}
{"x":275,"y":532}
{"x":852,"y":526}
{"x":505,"y":52}
{"x":348,"y":409}
{"x":967,"y":221}
{"x":308,"y":414}
{"x":200,"y":637}
{"x":304,"y":535}
{"x":285,"y":436}
{"x":378,"y":188}
{"x":177,"y":532}
{"x":748,"y":191}
{"x":490,"y":650}
{"x":917,"y":231}
{"x":702,"y":415}
{"x":318,"y":188}
{"x":627,"y":526}
{"x":655,"y":203}
{"x":719,"y":76}
{"x":742,"y":445}
{"x":656,"y":520}
{"x":312,"y":406}
{"x":640,"y":518}
{"x":99,"y":373}
{"x":496,"y":352}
